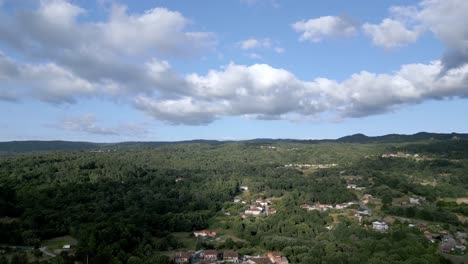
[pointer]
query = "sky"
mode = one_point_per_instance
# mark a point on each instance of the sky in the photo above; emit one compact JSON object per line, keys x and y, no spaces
{"x":169,"y":70}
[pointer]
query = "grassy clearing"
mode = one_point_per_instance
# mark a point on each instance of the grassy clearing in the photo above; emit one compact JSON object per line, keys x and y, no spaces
{"x":59,"y":242}
{"x":459,"y":200}
{"x":189,"y":242}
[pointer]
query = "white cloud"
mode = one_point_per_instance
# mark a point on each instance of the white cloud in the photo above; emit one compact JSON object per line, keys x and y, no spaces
{"x":89,"y":124}
{"x":259,"y":44}
{"x":107,"y":52}
{"x":254,"y":43}
{"x":317,"y":29}
{"x":62,"y":62}
{"x":446,"y":19}
{"x":390,"y":33}
{"x":263,"y":92}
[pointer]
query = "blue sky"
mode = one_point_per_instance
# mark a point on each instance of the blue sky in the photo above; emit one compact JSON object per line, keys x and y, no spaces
{"x":110,"y":71}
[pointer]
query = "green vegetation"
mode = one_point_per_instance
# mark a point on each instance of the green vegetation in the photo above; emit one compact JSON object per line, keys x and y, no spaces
{"x":140,"y":203}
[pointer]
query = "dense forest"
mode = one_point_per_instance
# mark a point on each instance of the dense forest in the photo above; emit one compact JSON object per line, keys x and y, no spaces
{"x":140,"y":203}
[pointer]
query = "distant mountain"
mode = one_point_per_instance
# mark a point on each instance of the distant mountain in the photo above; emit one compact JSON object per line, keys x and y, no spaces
{"x":44,"y":146}
{"x":36,"y":145}
{"x":397,"y":138}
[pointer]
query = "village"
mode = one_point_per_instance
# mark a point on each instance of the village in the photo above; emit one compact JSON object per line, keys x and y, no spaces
{"x":214,"y":256}
{"x":361,"y":210}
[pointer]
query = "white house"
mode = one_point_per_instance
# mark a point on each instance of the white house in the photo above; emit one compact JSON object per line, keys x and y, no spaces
{"x":379,"y":226}
{"x":253,"y":211}
{"x":414,"y":201}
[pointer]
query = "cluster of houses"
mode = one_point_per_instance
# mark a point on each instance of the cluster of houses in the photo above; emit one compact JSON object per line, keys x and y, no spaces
{"x":258,"y":208}
{"x":399,"y":155}
{"x":325,"y":207}
{"x":355,"y":187}
{"x":310,"y":166}
{"x":213,"y":256}
{"x":448,"y":243}
{"x":269,"y":147}
{"x":412,"y":201}
{"x":204,"y":234}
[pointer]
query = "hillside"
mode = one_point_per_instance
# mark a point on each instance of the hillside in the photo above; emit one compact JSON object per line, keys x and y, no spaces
{"x":44,"y":146}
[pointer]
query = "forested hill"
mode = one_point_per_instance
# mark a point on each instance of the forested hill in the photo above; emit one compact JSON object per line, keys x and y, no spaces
{"x":34,"y":145}
{"x":45,"y":146}
{"x":398,"y":138}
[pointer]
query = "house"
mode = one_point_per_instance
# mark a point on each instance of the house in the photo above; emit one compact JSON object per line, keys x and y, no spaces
{"x":414,"y":201}
{"x":230,"y":256}
{"x":182,"y":257}
{"x":204,"y":233}
{"x":262,"y":202}
{"x":343,"y":205}
{"x":243,"y":188}
{"x":210,"y":255}
{"x":257,"y":260}
{"x":237,"y":200}
{"x":277,"y":258}
{"x":380,"y":226}
{"x":317,"y":206}
{"x":460,"y":247}
{"x":255,"y":211}
{"x":351,"y":186}
{"x":364,"y":210}
{"x":66,"y":247}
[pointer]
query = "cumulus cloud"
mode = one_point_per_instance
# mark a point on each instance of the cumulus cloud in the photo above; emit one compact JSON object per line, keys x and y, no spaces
{"x":265,"y":44}
{"x":317,"y":29}
{"x":64,"y":59}
{"x":390,"y":33}
{"x":263,"y":92}
{"x":108,"y":53}
{"x":446,"y":19}
{"x":89,"y":124}
{"x":254,"y":43}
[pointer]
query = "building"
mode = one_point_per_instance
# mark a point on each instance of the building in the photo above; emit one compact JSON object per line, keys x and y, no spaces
{"x":210,"y":255}
{"x":204,"y":233}
{"x":364,"y":210}
{"x":244,"y":188}
{"x":182,"y":257}
{"x":277,"y":258}
{"x":380,"y":226}
{"x":318,"y":207}
{"x":414,"y":201}
{"x":262,"y":202}
{"x":231,"y":257}
{"x":257,"y":260}
{"x":254,"y":211}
